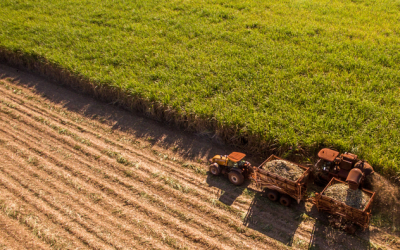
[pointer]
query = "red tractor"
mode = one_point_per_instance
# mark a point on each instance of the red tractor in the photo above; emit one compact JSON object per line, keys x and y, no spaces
{"x":346,"y":167}
{"x":232,"y":165}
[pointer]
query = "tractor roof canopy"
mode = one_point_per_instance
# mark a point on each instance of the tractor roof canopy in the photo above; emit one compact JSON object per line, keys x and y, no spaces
{"x":236,"y":156}
{"x":328,"y":154}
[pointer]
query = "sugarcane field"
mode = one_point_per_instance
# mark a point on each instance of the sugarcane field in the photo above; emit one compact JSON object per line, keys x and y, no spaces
{"x":188,"y":124}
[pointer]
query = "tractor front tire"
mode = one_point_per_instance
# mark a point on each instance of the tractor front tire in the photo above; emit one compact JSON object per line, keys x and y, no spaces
{"x":236,"y":178}
{"x":214,"y":169}
{"x":273,"y":195}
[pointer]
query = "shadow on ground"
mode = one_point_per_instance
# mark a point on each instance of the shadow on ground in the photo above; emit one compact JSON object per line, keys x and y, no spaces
{"x":324,"y":236}
{"x":228,"y":192}
{"x":196,"y":147}
{"x":274,"y":220}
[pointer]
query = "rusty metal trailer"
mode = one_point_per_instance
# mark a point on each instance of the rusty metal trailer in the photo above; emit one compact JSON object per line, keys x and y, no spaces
{"x":347,"y":215}
{"x":279,"y":187}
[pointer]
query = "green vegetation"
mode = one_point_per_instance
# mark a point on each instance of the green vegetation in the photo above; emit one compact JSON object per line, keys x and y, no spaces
{"x":280,"y":74}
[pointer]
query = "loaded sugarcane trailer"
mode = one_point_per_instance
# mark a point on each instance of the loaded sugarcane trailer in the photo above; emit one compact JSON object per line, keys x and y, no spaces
{"x":345,"y":217}
{"x":279,"y":187}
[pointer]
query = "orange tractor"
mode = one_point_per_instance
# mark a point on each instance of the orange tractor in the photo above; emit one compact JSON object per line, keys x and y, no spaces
{"x":232,"y":165}
{"x":346,"y":167}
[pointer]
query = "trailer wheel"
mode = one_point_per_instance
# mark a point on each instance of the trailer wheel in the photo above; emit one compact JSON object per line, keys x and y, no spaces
{"x":214,"y":169}
{"x":236,"y":178}
{"x":273,"y":195}
{"x":285,"y":200}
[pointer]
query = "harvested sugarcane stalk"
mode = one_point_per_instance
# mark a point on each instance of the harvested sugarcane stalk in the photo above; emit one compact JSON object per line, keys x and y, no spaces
{"x":284,"y":169}
{"x":353,"y":198}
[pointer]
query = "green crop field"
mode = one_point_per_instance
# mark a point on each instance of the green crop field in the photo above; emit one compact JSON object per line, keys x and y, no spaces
{"x":283,"y":73}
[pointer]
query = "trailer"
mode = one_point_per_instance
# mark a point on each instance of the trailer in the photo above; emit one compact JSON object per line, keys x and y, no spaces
{"x":280,"y":188}
{"x":344,"y":216}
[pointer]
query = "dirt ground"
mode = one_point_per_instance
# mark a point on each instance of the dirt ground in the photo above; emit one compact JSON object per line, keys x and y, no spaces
{"x":77,"y":173}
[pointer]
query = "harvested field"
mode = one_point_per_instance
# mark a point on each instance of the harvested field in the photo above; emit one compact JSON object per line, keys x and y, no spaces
{"x":284,"y":169}
{"x":77,"y":173}
{"x":353,"y":198}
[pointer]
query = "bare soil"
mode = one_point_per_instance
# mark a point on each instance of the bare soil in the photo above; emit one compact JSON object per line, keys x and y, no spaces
{"x":77,"y":173}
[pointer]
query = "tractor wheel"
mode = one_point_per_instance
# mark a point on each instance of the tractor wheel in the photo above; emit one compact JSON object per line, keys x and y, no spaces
{"x":214,"y":169}
{"x":236,"y":178}
{"x":285,"y":200}
{"x":273,"y":195}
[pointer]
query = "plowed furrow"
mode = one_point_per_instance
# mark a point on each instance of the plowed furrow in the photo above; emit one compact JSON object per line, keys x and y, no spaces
{"x":210,"y":210}
{"x":60,"y":121}
{"x":224,"y":219}
{"x":79,"y":210}
{"x":26,"y":209}
{"x":122,"y":198}
{"x":151,"y":215}
{"x":82,"y":232}
{"x":17,"y":236}
{"x":205,"y":196}
{"x":81,"y":197}
{"x":217,"y":216}
{"x":184,"y":175}
{"x":10,"y":241}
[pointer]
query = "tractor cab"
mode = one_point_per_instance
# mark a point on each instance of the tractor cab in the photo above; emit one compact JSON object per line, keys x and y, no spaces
{"x":233,"y":165}
{"x":327,"y":159}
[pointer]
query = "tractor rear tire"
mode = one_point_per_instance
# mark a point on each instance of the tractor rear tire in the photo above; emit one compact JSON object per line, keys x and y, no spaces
{"x":285,"y":200}
{"x":215,"y":169}
{"x":236,"y":178}
{"x":273,"y":195}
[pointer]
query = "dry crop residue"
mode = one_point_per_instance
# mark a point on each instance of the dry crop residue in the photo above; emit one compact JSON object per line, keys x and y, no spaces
{"x":70,"y":181}
{"x":284,"y":169}
{"x":353,"y":198}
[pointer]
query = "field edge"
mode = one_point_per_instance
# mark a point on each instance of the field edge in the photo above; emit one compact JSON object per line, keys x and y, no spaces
{"x":206,"y":126}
